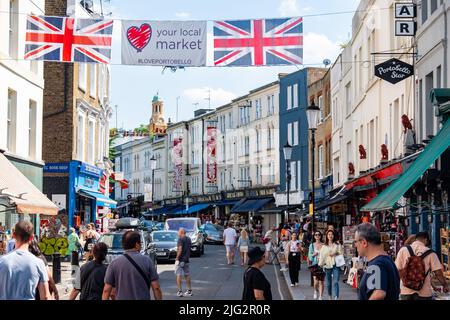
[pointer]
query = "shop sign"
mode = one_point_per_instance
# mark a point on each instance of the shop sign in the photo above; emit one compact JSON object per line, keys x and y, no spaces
{"x":405,"y":10}
{"x":394,"y":70}
{"x":88,"y":183}
{"x":405,"y":13}
{"x":56,"y":167}
{"x":91,"y":170}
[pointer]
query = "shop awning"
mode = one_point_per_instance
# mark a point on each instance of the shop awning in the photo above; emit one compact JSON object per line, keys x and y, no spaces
{"x":23,"y":194}
{"x":275,"y":210}
{"x":338,"y":197}
{"x":227,"y":203}
{"x":123,"y":205}
{"x":387,"y":199}
{"x":193,"y":209}
{"x":250,"y":205}
{"x":164,"y":209}
{"x":101,"y":199}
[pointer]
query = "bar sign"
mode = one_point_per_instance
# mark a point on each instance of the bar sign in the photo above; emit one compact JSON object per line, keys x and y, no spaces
{"x":406,"y":12}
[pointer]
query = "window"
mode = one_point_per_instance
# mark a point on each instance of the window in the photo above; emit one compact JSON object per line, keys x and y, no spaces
{"x":293,"y":175}
{"x":90,"y":157}
{"x":289,"y":133}
{"x":289,"y":97}
{"x":299,"y":175}
{"x":372,"y":145}
{"x":272,"y":106}
{"x":321,"y":163}
{"x":11,"y":121}
{"x":336,"y":171}
{"x":80,"y":138}
{"x":349,"y":152}
{"x":348,"y":98}
{"x":269,"y":138}
{"x":92,"y":80}
{"x":258,"y":108}
{"x":395,"y":136}
{"x":295,"y":101}
{"x":32,"y":129}
{"x":322,"y":108}
{"x":269,"y":111}
{"x":13,"y":28}
{"x":247,"y":146}
{"x":82,"y":76}
{"x":101,"y":149}
{"x":433,"y":6}
{"x":271,"y":172}
{"x":424,"y":11}
{"x":230,"y":120}
{"x":257,"y":140}
{"x":295,"y":133}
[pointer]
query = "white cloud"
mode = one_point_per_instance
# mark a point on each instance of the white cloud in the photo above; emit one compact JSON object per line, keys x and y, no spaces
{"x":318,"y":47}
{"x":182,"y":15}
{"x":219,"y":96}
{"x":289,"y":8}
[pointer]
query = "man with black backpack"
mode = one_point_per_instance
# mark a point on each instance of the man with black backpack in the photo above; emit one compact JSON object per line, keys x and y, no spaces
{"x":415,"y":263}
{"x":132,"y":274}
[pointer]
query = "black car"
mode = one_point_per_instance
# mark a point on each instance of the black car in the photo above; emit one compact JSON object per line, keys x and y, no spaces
{"x":113,"y":240}
{"x":165,"y":244}
{"x":213,"y":233}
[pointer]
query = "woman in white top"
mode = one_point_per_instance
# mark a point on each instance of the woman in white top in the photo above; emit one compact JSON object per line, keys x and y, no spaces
{"x":295,"y":253}
{"x":327,"y":255}
{"x":243,"y":246}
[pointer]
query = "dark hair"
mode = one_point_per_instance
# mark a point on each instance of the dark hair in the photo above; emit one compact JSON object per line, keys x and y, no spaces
{"x":34,"y":248}
{"x":321,"y":235}
{"x":369,"y":232}
{"x":23,"y":231}
{"x":424,"y":235}
{"x":327,"y":242}
{"x":230,"y":224}
{"x":130,"y":238}
{"x":100,"y":251}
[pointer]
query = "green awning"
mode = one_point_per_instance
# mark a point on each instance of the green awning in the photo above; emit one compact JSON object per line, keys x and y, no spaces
{"x":387,"y":199}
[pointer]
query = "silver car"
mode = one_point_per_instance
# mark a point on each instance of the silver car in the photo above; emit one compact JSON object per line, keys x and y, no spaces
{"x":192,"y":227}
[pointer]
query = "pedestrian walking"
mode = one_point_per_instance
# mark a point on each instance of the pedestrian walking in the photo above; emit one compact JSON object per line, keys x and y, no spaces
{"x":89,"y":241}
{"x":295,"y":252}
{"x":381,"y":281}
{"x":74,"y":243}
{"x":90,"y":281}
{"x":327,"y":256}
{"x":182,"y":262}
{"x":416,"y":262}
{"x":317,"y":272}
{"x":36,"y":251}
{"x":242,"y":244}
{"x":229,"y":239}
{"x":20,"y":271}
{"x":256,"y":286}
{"x":132,"y":274}
{"x":268,"y":242}
{"x":10,"y":246}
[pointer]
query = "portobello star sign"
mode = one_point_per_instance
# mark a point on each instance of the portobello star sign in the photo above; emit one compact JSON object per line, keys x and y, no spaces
{"x":394,"y":70}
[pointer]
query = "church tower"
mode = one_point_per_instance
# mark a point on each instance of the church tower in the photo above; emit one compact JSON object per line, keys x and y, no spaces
{"x":157,"y":123}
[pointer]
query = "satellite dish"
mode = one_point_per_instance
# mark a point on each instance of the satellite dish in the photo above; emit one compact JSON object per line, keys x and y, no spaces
{"x":326,"y":62}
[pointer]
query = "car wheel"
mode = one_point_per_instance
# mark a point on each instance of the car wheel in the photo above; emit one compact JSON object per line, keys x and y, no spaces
{"x":203,"y":249}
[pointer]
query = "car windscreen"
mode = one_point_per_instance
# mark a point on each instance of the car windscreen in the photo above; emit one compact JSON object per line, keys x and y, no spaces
{"x":165,"y":236}
{"x":112,"y":240}
{"x":188,"y":225}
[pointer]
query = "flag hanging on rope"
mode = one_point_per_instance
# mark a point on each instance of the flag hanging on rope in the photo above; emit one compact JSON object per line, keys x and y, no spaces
{"x":68,"y":39}
{"x":262,"y":42}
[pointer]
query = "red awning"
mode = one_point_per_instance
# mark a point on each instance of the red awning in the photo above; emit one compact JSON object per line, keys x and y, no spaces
{"x":379,"y":177}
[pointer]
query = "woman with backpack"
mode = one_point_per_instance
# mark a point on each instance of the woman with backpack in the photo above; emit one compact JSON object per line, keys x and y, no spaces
{"x":329,"y":251}
{"x":317,"y":272}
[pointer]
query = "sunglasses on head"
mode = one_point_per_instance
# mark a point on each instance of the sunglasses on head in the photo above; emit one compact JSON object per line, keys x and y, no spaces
{"x":317,"y":234}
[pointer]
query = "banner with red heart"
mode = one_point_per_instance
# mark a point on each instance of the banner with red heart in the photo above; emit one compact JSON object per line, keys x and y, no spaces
{"x":139,"y":37}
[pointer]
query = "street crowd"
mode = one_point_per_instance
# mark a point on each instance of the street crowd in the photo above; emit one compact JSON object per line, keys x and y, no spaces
{"x":24,"y":274}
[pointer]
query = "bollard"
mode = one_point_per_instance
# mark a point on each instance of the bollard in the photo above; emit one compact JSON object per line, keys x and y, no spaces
{"x":57,"y":267}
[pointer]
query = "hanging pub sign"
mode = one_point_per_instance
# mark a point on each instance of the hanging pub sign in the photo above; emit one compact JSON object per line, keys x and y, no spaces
{"x":394,"y":70}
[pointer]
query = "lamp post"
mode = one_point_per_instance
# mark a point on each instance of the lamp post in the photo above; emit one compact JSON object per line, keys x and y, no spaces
{"x":312,"y":113}
{"x":153,"y":167}
{"x":287,"y":150}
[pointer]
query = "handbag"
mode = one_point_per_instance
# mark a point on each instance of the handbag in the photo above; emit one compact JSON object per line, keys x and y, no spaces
{"x":339,"y":260}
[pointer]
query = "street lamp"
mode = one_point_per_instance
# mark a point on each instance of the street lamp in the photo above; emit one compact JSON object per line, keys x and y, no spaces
{"x":153,"y":167}
{"x":287,"y":150}
{"x":312,"y":113}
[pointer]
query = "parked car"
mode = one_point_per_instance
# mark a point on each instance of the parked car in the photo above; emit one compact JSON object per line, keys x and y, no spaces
{"x":113,"y":240}
{"x":213,"y":233}
{"x":192,"y":227}
{"x":158,"y":226}
{"x":165,"y":244}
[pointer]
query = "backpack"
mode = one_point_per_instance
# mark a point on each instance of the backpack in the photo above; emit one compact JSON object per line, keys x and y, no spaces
{"x":414,"y":274}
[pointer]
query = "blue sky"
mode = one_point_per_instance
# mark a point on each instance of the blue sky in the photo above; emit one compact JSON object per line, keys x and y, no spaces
{"x":133,"y":87}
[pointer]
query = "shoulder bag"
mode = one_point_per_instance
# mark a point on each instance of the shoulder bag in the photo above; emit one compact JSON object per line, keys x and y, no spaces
{"x":139,"y":269}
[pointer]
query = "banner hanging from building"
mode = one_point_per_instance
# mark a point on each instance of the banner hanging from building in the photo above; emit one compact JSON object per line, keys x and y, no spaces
{"x":262,"y":42}
{"x":164,"y":43}
{"x":177,"y":160}
{"x":68,"y":39}
{"x":211,"y":159}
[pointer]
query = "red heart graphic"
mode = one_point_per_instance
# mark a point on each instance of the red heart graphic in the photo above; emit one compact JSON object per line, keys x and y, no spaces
{"x":139,"y":37}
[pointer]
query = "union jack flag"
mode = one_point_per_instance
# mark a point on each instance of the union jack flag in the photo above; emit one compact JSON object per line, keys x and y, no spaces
{"x":258,"y":42}
{"x":68,"y":39}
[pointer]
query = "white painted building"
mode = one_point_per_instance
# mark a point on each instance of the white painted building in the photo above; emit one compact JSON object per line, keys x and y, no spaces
{"x":366,"y":110}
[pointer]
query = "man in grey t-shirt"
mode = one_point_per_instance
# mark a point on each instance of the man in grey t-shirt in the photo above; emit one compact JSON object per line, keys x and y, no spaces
{"x":182,"y":262}
{"x":133,"y":274}
{"x":20,"y":271}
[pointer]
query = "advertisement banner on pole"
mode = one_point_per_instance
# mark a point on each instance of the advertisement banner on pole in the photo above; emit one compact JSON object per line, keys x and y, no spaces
{"x":177,"y":160}
{"x":164,"y":43}
{"x":211,"y":159}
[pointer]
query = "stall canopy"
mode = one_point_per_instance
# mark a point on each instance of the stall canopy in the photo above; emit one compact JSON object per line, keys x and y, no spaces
{"x":227,"y":203}
{"x":102,"y":200}
{"x":25,"y":195}
{"x":193,"y":209}
{"x":389,"y":197}
{"x":164,"y":209}
{"x":250,"y":205}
